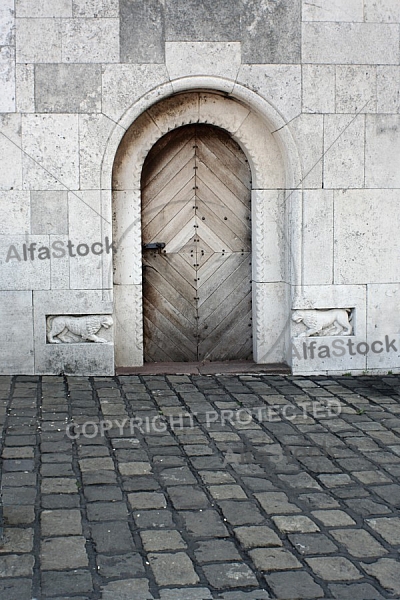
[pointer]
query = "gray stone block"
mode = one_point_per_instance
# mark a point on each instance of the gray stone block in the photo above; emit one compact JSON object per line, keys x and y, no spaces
{"x":271,"y":32}
{"x":125,"y":565}
{"x":141,"y":31}
{"x":49,"y":212}
{"x":210,"y":20}
{"x":294,"y":585}
{"x":68,"y":582}
{"x":68,"y":88}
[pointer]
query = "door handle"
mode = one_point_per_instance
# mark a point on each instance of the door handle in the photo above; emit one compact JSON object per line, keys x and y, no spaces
{"x":154,"y":246}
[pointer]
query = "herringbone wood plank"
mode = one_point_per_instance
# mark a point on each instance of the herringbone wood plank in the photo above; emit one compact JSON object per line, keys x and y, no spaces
{"x":197,"y":292}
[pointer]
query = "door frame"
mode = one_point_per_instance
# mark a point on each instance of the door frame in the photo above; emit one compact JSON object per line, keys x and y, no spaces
{"x":276,"y":213}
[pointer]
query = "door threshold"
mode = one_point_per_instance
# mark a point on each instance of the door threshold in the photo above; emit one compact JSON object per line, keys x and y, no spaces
{"x":228,"y":367}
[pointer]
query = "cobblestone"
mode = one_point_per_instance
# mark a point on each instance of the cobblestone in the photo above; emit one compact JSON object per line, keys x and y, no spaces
{"x":306,"y":508}
{"x":289,"y":585}
{"x":174,"y":568}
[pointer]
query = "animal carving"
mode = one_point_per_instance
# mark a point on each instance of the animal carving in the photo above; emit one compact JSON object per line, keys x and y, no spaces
{"x":334,"y":321}
{"x":69,"y":329}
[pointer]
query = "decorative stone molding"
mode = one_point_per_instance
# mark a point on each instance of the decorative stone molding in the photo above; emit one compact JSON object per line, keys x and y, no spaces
{"x":320,"y":323}
{"x":67,"y":329}
{"x":259,"y":129}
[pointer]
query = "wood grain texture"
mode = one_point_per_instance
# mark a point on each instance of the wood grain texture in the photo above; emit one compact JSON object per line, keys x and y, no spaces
{"x":196,"y":185}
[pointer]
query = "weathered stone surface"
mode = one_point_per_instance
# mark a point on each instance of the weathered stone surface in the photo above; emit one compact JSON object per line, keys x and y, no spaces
{"x":215,"y":550}
{"x":340,"y":11}
{"x":13,"y":565}
{"x":19,"y":337}
{"x":55,"y":583}
{"x":293,"y":524}
{"x":190,"y":594}
{"x":185,"y":497}
{"x":223,"y":492}
{"x":52,"y":141}
{"x":123,"y":84}
{"x":147,"y":500}
{"x":387,"y":82}
{"x":60,"y":485}
{"x":142,"y":31}
{"x":334,"y":568}
{"x":229,"y":575}
{"x":276,"y":502}
{"x":188,"y":20}
{"x":318,"y":88}
{"x":290,"y":584}
{"x":46,"y":8}
{"x":386,"y":571}
{"x":381,"y":139}
{"x":257,"y":536}
{"x":270,"y":80}
{"x":354,"y":591}
{"x":68,"y":88}
{"x":127,"y":589}
{"x":38,"y":41}
{"x":10,"y":152}
{"x":387,"y":527}
{"x":7,"y":79}
{"x":274,"y":559}
{"x":358,"y":542}
{"x":113,"y":536}
{"x":355,"y":89}
{"x":90,"y":40}
{"x":122,"y":565}
{"x":7,"y":23}
{"x":349,"y":43}
{"x":183,"y":59}
{"x":49,"y":212}
{"x":271,"y":32}
{"x":350,"y":263}
{"x":333,"y":518}
{"x":206,"y":523}
{"x":387,"y":11}
{"x":60,"y":522}
{"x":95,"y":8}
{"x":107,"y":511}
{"x":344,"y":162}
{"x":61,"y":553}
{"x":159,"y":519}
{"x":157,"y":541}
{"x":173,"y":568}
{"x":312,"y":543}
{"x":25,"y":88}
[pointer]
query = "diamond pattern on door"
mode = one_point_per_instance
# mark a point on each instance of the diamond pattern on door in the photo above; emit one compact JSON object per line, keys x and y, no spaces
{"x":196,"y":185}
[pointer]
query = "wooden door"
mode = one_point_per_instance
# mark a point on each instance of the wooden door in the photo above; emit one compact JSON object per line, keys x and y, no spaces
{"x":196,"y":186}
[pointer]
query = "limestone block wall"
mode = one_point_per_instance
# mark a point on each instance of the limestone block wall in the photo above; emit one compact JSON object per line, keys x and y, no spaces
{"x":70,"y":72}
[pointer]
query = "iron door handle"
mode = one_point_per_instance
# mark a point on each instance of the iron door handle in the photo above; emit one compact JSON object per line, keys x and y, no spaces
{"x":154,"y":246}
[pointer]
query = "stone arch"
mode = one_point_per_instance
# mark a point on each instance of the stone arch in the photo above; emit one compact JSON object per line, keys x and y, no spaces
{"x":275,"y":203}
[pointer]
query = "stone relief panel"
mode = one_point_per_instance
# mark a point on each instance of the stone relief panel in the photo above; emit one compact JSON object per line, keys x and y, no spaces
{"x":67,"y":329}
{"x":324,"y":322}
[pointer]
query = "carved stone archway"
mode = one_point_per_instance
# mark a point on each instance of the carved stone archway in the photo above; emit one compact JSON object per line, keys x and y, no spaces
{"x":275,"y":204}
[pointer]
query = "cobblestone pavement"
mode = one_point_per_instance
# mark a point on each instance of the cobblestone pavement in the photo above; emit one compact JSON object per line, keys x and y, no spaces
{"x":200,"y":487}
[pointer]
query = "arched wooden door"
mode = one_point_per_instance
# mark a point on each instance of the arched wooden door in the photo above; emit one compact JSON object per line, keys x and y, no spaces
{"x":196,"y":185}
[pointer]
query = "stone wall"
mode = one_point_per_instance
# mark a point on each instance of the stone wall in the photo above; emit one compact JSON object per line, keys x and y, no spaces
{"x":70,"y":72}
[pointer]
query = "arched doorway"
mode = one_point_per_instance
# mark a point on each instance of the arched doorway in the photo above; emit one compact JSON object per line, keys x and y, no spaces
{"x":196,"y":235}
{"x":275,"y":221}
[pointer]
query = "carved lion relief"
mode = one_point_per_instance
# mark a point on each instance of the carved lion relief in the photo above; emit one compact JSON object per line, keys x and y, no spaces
{"x":67,"y":329}
{"x":329,"y":322}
